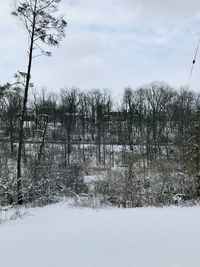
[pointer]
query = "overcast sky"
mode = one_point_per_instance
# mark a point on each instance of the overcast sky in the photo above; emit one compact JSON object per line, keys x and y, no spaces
{"x":110,"y":44}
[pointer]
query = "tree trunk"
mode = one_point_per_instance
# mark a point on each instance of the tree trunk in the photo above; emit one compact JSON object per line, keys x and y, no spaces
{"x":19,"y":158}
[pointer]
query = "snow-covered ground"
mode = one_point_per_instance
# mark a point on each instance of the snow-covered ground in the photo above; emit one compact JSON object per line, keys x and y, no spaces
{"x":59,"y":236}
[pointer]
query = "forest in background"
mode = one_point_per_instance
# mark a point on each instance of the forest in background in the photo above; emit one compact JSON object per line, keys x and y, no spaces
{"x":142,"y":150}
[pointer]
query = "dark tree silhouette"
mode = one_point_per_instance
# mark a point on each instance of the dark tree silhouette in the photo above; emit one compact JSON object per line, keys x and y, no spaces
{"x":42,"y":28}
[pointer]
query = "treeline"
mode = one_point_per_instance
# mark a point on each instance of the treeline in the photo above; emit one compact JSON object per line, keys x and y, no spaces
{"x":154,"y":125}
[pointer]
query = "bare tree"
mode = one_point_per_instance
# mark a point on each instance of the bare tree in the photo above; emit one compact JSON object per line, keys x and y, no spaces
{"x":11,"y":106}
{"x":69,"y":108}
{"x":42,"y":28}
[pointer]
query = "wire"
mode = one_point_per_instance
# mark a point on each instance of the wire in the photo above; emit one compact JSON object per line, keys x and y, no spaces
{"x":193,"y":62}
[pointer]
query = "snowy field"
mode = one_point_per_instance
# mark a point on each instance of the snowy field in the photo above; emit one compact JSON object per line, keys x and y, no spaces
{"x":59,"y":236}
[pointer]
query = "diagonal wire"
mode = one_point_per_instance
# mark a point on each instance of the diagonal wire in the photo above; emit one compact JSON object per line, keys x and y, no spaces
{"x":193,"y":62}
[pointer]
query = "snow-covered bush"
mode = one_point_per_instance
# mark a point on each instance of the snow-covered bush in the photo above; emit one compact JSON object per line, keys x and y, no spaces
{"x":45,"y":182}
{"x":7,"y":183}
{"x":131,"y":186}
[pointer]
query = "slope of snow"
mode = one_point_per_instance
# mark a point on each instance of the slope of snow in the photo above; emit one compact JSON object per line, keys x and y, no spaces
{"x":59,"y":236}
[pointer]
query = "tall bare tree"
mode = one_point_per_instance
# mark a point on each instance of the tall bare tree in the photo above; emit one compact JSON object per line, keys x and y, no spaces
{"x":42,"y":28}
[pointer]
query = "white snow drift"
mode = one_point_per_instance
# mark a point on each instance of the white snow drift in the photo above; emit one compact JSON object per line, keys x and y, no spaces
{"x":59,"y":236}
